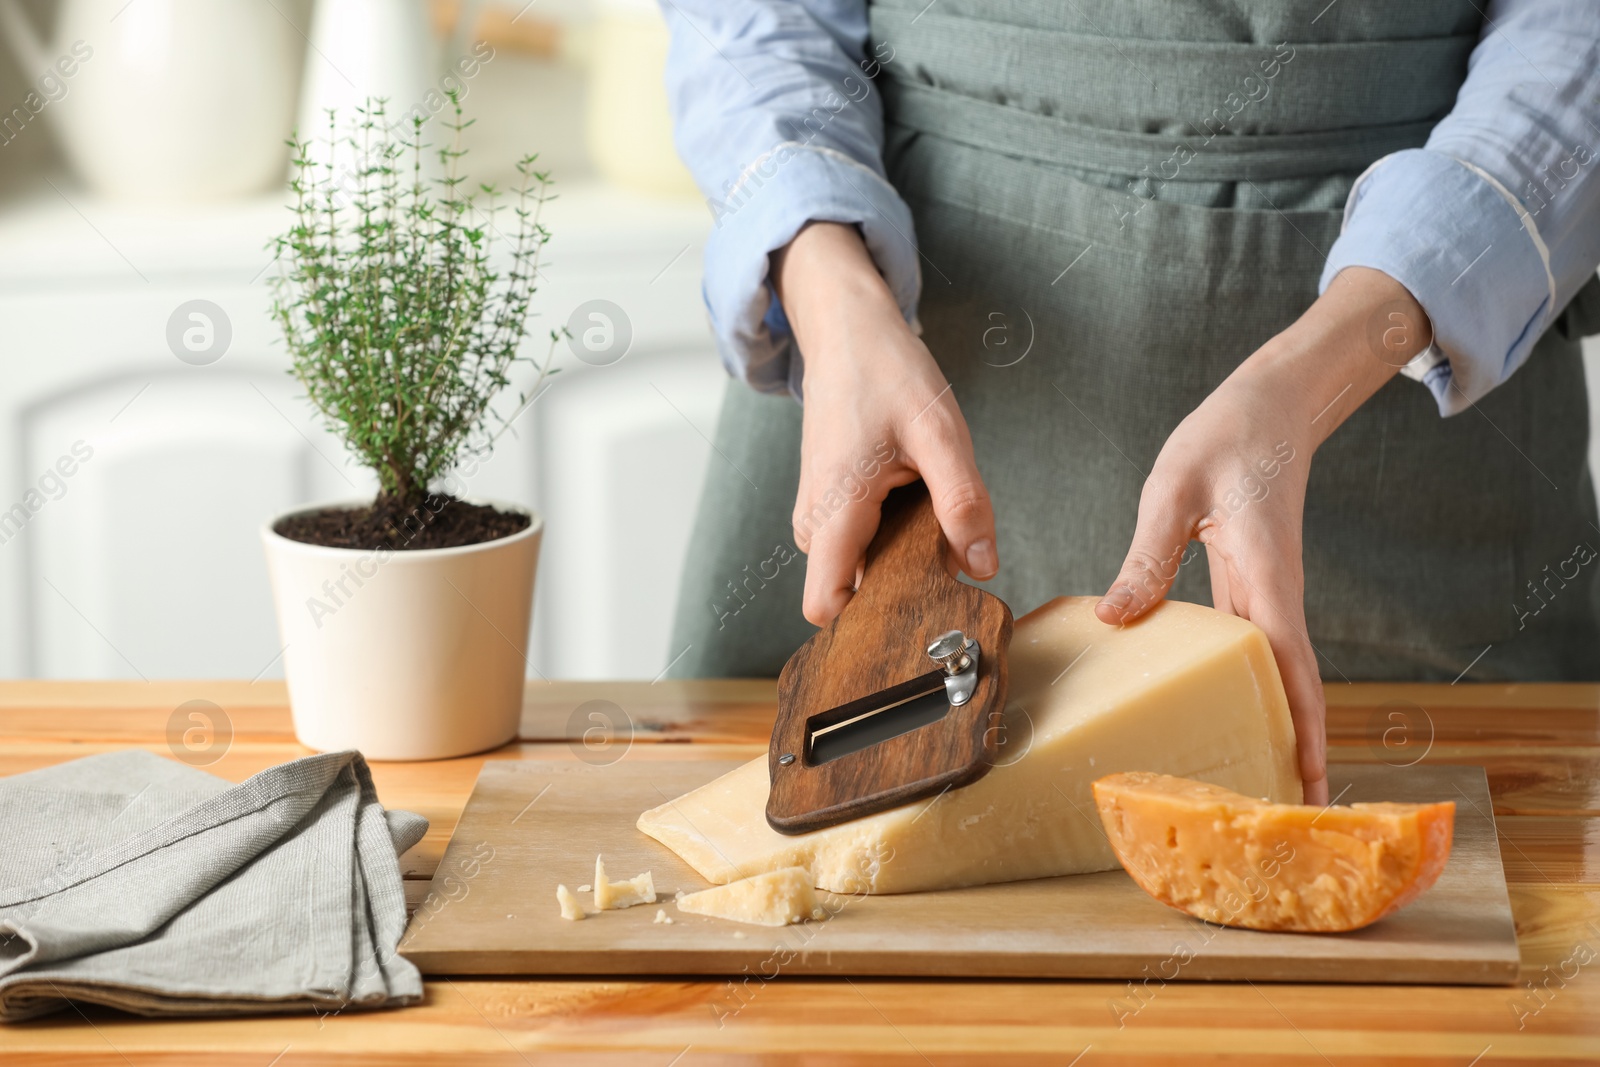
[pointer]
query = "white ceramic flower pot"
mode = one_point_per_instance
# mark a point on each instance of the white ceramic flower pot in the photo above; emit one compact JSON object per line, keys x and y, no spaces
{"x":407,"y":655}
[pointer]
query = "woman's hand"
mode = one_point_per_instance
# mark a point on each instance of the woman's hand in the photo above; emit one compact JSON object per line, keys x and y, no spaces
{"x":1233,"y":476}
{"x":878,"y":414}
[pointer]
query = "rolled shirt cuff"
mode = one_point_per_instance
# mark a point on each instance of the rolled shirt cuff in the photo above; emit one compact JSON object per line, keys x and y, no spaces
{"x":1468,"y":253}
{"x":773,"y":198}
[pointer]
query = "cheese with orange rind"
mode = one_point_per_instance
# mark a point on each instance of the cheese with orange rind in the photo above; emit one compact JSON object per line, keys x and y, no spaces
{"x":1239,"y":861}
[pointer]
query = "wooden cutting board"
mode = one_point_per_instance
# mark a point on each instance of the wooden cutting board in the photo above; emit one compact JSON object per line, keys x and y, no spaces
{"x":529,"y":825}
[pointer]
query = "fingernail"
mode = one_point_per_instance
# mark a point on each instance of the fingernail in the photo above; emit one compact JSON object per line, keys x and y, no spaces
{"x":1118,"y":599}
{"x":981,"y":560}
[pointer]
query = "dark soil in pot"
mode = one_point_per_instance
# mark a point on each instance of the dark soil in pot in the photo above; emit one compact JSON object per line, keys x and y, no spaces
{"x":439,"y":521}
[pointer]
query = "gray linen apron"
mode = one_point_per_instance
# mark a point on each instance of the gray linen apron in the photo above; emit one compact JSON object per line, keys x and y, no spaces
{"x":1116,"y":202}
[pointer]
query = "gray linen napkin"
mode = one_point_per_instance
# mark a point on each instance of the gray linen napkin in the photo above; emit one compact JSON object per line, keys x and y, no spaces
{"x":139,"y":882}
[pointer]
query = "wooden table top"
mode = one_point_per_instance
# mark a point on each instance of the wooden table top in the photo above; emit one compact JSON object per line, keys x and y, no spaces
{"x":1540,"y":744}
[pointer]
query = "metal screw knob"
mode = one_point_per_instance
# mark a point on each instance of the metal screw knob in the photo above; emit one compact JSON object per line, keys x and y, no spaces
{"x":786,"y":759}
{"x":949,"y":650}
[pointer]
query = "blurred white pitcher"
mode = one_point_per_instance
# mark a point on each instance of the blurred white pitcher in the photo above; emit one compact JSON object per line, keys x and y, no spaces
{"x":363,"y":51}
{"x":177,"y":100}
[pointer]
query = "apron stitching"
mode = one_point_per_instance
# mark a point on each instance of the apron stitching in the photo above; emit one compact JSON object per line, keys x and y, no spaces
{"x":1177,"y":261}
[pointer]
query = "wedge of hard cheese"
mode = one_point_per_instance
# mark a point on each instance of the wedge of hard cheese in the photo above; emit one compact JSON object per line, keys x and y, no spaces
{"x":1186,"y":691}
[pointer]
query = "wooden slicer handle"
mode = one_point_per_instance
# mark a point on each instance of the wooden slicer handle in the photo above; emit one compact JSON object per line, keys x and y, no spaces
{"x":878,"y":642}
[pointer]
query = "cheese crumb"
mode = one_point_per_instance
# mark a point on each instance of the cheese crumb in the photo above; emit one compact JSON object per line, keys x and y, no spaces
{"x":585,"y":887}
{"x":609,"y":895}
{"x":570,"y":908}
{"x":663,"y":917}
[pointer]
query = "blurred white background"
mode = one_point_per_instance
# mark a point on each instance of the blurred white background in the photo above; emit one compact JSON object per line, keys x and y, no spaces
{"x":150,"y":176}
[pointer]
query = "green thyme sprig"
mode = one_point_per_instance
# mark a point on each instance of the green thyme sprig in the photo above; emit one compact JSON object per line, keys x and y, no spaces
{"x":398,"y":327}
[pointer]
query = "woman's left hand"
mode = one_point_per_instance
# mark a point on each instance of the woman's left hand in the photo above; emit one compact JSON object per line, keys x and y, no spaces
{"x":1233,"y":476}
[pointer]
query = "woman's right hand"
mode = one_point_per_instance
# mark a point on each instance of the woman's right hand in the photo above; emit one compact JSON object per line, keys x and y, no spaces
{"x":878,"y":414}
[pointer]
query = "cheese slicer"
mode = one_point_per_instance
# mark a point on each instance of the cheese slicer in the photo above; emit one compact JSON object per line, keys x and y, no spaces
{"x":900,"y":696}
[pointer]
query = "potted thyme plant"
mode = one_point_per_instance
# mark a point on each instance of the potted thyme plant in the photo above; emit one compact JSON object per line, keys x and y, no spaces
{"x":405,"y":618}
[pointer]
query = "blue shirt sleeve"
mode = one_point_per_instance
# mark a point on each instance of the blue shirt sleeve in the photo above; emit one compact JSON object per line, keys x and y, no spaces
{"x":1494,"y":225}
{"x":775,"y":113}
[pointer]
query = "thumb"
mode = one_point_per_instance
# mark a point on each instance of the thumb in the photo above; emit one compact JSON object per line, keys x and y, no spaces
{"x":1152,"y":562}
